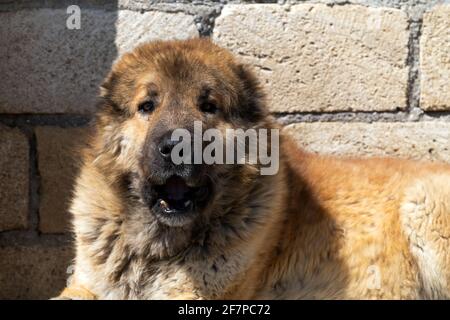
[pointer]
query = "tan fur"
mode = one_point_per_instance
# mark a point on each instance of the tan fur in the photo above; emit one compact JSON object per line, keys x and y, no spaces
{"x":323,"y":227}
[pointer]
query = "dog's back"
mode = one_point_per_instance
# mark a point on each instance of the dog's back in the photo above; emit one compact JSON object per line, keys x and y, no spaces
{"x":373,"y":228}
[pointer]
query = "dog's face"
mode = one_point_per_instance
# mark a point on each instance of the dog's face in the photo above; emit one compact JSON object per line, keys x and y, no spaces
{"x":161,"y":87}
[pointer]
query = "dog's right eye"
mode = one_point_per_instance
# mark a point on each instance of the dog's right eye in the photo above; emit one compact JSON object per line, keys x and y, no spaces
{"x":146,"y":107}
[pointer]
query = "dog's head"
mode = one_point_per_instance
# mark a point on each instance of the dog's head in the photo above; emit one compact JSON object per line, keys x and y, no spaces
{"x":161,"y":87}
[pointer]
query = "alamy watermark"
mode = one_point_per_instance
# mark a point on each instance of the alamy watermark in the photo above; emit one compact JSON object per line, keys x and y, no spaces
{"x":234,"y":146}
{"x":73,"y":22}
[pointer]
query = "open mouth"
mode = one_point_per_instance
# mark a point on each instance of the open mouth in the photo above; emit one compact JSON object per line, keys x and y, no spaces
{"x":176,"y":201}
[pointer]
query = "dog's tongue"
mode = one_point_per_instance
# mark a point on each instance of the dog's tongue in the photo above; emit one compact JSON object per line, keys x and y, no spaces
{"x":176,"y":188}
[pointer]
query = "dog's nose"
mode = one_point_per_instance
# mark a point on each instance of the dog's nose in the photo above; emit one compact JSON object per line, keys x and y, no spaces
{"x":166,"y":145}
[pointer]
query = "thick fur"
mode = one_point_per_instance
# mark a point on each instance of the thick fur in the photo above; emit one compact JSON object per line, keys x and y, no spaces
{"x":323,"y":227}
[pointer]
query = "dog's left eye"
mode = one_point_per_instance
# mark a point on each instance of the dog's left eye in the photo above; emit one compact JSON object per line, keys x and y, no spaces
{"x":208,"y":107}
{"x":146,"y":107}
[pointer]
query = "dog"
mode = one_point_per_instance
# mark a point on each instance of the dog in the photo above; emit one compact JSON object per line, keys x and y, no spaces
{"x":322,"y":227}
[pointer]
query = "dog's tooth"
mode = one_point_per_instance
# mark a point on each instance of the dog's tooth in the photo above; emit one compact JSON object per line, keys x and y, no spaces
{"x":187,"y":203}
{"x":164,"y":204}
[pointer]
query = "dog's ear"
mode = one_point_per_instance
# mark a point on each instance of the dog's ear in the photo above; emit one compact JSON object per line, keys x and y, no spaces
{"x":113,"y":90}
{"x":252,"y":99}
{"x":107,"y":86}
{"x":109,"y":99}
{"x":106,"y":105}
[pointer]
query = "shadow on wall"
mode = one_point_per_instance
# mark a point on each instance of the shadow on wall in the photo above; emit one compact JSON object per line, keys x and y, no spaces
{"x":55,"y":60}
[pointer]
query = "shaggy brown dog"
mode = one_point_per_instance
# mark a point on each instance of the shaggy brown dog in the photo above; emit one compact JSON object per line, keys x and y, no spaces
{"x":322,"y":227}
